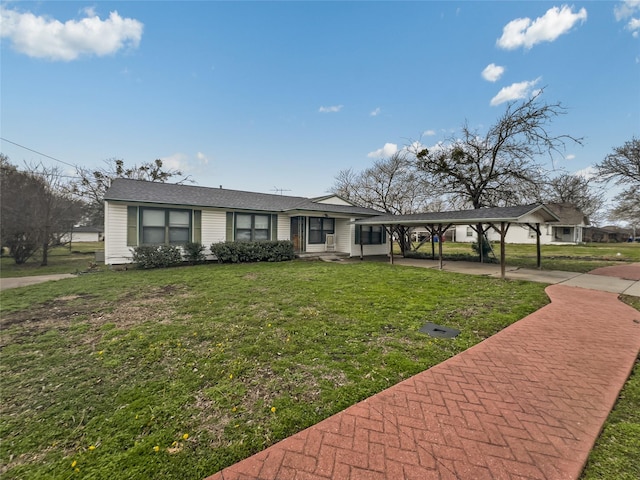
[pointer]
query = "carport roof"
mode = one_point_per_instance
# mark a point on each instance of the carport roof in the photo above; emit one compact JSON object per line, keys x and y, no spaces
{"x":519,"y":214}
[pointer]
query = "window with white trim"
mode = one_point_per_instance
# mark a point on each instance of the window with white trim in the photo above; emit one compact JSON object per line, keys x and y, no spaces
{"x":319,"y":227}
{"x":252,"y":227}
{"x":162,"y":226}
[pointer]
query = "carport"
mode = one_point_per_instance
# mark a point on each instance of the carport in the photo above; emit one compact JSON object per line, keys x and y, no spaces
{"x":498,"y":218}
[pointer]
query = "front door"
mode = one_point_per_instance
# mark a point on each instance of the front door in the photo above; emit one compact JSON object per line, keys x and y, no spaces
{"x":297,"y":234}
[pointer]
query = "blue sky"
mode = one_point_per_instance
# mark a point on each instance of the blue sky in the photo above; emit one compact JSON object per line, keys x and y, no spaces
{"x":262,"y":96}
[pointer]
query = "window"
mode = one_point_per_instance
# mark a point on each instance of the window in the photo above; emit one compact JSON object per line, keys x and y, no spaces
{"x":164,"y":226}
{"x":371,"y":235}
{"x":319,"y":227}
{"x":469,"y":232}
{"x":252,"y":228}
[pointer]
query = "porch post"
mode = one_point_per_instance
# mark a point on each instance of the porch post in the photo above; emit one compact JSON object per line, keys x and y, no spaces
{"x":391,"y":245}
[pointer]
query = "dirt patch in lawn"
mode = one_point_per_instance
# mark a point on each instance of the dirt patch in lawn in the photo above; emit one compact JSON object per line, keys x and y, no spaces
{"x":65,"y":312}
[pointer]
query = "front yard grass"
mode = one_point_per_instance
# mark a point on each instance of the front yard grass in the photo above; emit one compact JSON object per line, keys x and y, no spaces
{"x":178,"y":373}
{"x":80,"y":257}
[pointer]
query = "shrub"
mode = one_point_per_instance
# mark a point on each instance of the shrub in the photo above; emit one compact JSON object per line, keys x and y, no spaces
{"x":162,"y":256}
{"x":194,"y":253}
{"x":244,"y":252}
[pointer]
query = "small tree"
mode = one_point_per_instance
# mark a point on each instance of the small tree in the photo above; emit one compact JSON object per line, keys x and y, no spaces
{"x":20,"y":204}
{"x":36,"y":209}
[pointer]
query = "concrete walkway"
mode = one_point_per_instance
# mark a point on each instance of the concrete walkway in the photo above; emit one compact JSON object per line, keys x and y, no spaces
{"x":15,"y":282}
{"x":527,"y":403}
{"x":623,"y":279}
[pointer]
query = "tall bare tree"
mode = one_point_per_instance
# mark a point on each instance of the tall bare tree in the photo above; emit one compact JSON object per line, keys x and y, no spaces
{"x":582,"y":192}
{"x":501,"y":167}
{"x":391,"y":185}
{"x":623,"y":168}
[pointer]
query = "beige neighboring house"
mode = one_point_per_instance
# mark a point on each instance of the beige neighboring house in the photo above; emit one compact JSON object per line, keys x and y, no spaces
{"x":83,"y":234}
{"x":151,"y":213}
{"x":570,"y":229}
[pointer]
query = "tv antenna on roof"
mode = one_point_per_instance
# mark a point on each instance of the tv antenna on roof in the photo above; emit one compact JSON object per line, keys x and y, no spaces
{"x":276,"y":189}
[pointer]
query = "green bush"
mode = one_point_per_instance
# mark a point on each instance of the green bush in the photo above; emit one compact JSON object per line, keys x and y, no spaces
{"x":244,"y":252}
{"x":194,"y":253}
{"x":162,"y":256}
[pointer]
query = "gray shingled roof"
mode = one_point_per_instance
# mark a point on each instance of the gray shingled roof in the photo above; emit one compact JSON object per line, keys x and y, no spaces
{"x":127,"y":190}
{"x":463,"y":217}
{"x":568,"y":214}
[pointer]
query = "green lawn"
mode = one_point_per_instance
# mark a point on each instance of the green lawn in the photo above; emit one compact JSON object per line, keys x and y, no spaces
{"x":80,"y":257}
{"x":102,"y":369}
{"x":107,"y":373}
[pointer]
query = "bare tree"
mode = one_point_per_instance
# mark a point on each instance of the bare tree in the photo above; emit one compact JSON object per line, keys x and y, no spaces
{"x":391,"y":185}
{"x":93,"y":183}
{"x":623,"y":168}
{"x":579,"y":191}
{"x":34,"y":208}
{"x":499,"y":168}
{"x":623,"y":165}
{"x":20,"y":195}
{"x":57,"y":211}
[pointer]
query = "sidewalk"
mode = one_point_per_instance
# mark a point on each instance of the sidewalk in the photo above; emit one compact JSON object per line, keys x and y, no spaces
{"x":527,"y":403}
{"x":623,"y":279}
{"x":15,"y":282}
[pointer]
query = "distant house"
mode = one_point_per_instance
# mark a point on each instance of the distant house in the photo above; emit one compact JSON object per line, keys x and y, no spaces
{"x":83,"y":234}
{"x":150,"y":213}
{"x":607,"y":234}
{"x":568,"y":230}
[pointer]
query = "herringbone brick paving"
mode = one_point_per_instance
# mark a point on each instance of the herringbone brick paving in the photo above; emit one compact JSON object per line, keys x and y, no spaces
{"x":527,"y":403}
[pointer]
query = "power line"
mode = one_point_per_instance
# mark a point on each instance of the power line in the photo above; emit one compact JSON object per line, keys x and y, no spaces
{"x":39,"y":153}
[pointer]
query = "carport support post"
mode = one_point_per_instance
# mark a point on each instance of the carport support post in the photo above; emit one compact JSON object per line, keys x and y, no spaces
{"x":503,"y":232}
{"x":440,"y":246}
{"x":538,"y":250}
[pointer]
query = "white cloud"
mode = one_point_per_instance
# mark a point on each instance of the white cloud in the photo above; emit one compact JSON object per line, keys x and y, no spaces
{"x":523,"y":32}
{"x":202,"y":158}
{"x":332,"y":109}
{"x":626,"y":9}
{"x":514,"y":91}
{"x":634,"y":27}
{"x":429,"y":133}
{"x":492,"y":72}
{"x":44,"y":37}
{"x":375,"y":112}
{"x":176,"y":161}
{"x":384,"y":152}
{"x":587,"y":173}
{"x":571,"y":156}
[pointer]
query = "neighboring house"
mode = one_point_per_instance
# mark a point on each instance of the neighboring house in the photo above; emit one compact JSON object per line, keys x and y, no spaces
{"x":83,"y":234}
{"x":151,"y":213}
{"x":610,"y":233}
{"x":568,"y":230}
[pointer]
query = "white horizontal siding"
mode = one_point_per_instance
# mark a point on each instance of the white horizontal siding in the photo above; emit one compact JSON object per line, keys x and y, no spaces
{"x":115,"y":242}
{"x":343,"y":235}
{"x":284,"y":227}
{"x":214,"y":227}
